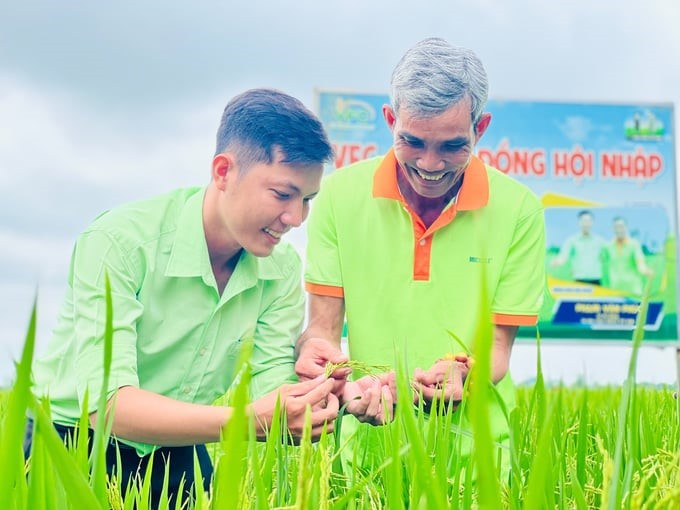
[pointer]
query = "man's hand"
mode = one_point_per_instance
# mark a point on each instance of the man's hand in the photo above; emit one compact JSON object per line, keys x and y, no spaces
{"x":371,"y":399}
{"x":316,"y":393}
{"x":314,"y":355}
{"x":444,"y":381}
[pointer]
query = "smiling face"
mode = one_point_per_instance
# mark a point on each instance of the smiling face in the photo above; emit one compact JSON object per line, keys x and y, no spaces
{"x":255,"y":207}
{"x":433,"y":152}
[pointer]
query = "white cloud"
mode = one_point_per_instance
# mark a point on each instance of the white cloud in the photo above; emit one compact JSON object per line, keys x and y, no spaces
{"x":576,"y":128}
{"x":64,"y":163}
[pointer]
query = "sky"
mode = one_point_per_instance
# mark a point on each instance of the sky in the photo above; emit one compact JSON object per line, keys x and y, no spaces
{"x":107,"y":102}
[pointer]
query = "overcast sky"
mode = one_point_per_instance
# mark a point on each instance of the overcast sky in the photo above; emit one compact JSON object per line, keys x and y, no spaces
{"x":102,"y":103}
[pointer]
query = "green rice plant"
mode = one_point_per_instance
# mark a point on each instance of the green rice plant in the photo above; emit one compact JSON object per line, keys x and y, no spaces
{"x":365,"y":368}
{"x":228,"y":489}
{"x":103,"y":426}
{"x":12,"y":481}
{"x":76,"y":486}
{"x":578,"y":447}
{"x":623,"y":467}
{"x":485,"y":460}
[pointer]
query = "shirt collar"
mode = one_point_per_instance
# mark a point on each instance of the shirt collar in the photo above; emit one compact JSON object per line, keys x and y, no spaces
{"x":189,"y":253}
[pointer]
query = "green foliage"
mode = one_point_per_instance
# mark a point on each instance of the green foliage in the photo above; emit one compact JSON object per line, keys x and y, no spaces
{"x":569,"y":448}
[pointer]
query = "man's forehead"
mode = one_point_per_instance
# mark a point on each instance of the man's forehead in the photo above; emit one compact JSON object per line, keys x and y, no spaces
{"x":436,"y":132}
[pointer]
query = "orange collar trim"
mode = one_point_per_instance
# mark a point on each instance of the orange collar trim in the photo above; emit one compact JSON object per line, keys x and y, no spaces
{"x":473,"y":194}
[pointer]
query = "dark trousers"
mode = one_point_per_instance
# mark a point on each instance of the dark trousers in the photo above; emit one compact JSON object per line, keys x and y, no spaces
{"x":180,"y":459}
{"x":589,"y":281}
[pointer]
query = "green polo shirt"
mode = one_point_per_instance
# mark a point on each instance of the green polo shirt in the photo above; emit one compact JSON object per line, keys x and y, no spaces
{"x":406,"y":285}
{"x":622,"y":266}
{"x":173,"y":333}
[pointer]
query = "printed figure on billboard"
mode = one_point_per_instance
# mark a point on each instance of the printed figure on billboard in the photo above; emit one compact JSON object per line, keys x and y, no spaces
{"x":625,"y":260}
{"x":583,"y":252}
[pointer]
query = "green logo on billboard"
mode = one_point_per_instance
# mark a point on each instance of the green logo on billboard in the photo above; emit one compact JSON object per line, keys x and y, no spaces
{"x":644,"y":126}
{"x":352,"y":113}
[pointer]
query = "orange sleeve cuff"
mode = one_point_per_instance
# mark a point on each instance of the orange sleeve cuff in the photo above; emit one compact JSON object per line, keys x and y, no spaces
{"x":504,"y":319}
{"x":325,"y":290}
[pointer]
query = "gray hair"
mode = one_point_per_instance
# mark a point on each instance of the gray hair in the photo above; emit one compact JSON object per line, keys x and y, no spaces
{"x":434,"y":75}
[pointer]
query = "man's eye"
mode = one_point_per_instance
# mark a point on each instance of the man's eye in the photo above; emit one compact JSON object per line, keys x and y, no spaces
{"x":453,"y":147}
{"x":281,"y":195}
{"x":412,"y":143}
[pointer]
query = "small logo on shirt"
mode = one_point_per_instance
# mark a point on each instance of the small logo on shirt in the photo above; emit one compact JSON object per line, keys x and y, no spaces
{"x":480,"y":260}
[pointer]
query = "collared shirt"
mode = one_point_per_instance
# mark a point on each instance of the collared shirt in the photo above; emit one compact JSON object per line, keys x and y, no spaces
{"x":406,"y":286}
{"x":585,"y":256}
{"x":173,"y":333}
{"x":623,"y":259}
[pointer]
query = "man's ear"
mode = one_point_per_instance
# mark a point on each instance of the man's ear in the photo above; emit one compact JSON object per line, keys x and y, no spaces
{"x":223,"y":168}
{"x":390,"y":116}
{"x":482,"y":125}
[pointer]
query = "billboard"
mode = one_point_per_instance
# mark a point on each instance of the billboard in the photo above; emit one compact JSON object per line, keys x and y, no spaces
{"x":606,"y":176}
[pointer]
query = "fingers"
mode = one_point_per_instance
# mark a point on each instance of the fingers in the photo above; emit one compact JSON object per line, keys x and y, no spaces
{"x":315,"y":354}
{"x":352,"y":390}
{"x":307,"y":368}
{"x":444,"y":381}
{"x":321,"y":418}
{"x":428,"y":392}
{"x":387,"y":404}
{"x":359,"y":406}
{"x":372,"y":404}
{"x":320,"y":398}
{"x":311,"y":391}
{"x":461,"y":357}
{"x":371,"y":401}
{"x":326,"y":413}
{"x":444,"y":371}
{"x":430,"y":378}
{"x":340,"y":373}
{"x":432,"y":395}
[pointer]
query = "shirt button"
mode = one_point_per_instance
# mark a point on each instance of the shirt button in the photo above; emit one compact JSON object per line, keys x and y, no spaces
{"x":202,"y":352}
{"x":186,"y":390}
{"x":422,"y":242}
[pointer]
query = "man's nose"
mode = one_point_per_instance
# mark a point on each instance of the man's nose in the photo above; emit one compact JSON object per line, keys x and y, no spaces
{"x":294,"y":214}
{"x":430,"y":161}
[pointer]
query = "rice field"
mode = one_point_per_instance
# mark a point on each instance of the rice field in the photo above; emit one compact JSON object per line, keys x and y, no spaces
{"x":569,"y":448}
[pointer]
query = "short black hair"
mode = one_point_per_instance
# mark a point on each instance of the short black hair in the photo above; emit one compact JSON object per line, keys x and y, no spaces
{"x":258,"y":122}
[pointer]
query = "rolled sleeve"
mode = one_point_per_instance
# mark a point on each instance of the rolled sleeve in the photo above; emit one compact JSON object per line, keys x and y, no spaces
{"x":96,"y":255}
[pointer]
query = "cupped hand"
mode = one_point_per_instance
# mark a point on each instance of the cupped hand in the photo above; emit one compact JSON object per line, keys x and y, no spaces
{"x":371,"y":398}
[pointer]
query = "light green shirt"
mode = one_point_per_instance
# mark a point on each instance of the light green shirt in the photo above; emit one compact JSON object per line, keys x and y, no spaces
{"x":173,"y":333}
{"x":622,"y":265}
{"x":584,"y":254}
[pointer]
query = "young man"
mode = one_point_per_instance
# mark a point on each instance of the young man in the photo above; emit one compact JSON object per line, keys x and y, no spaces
{"x":195,"y":273}
{"x":584,"y":252}
{"x":434,"y":221}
